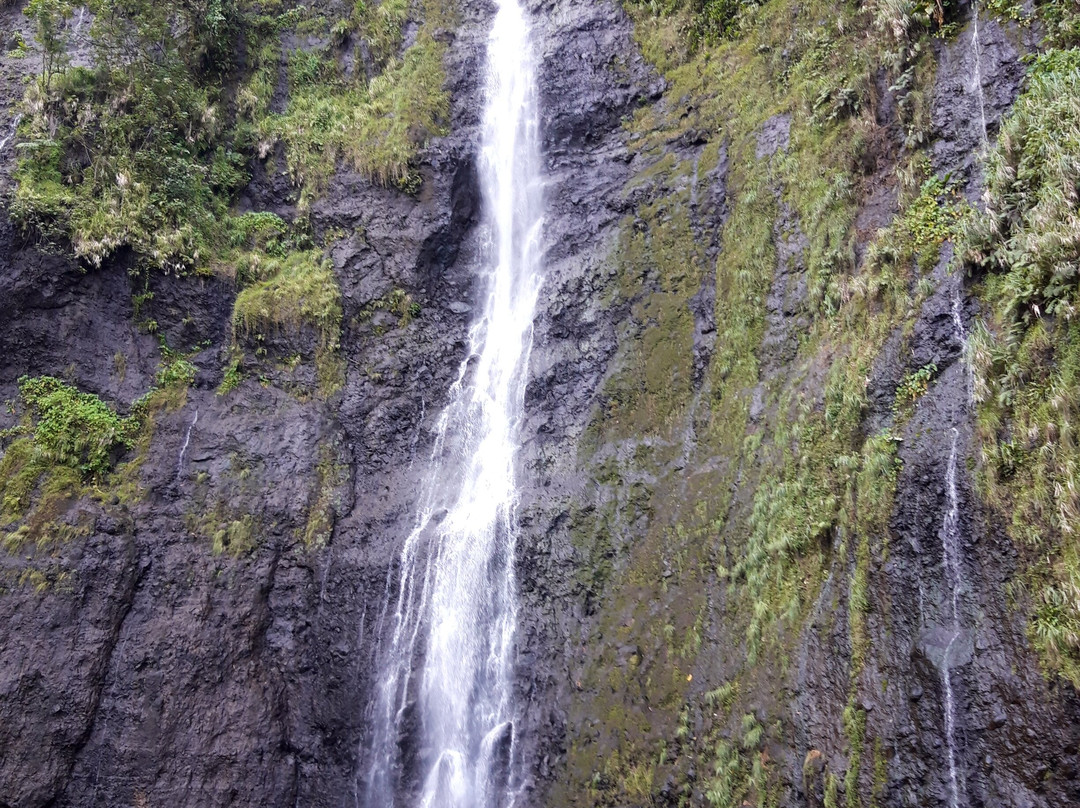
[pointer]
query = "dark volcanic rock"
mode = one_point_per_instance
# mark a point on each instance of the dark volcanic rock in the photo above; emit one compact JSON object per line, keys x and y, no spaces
{"x":153,"y":670}
{"x":161,"y":673}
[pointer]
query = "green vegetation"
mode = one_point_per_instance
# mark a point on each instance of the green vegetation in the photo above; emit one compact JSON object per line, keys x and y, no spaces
{"x":749,"y":483}
{"x":70,"y":446}
{"x":1060,"y":18}
{"x":855,"y":732}
{"x":330,"y":475}
{"x":65,"y":441}
{"x":376,"y":127}
{"x":915,"y":383}
{"x":1027,"y":356}
{"x":50,"y":17}
{"x":397,"y":302}
{"x":1030,"y":234}
{"x":222,"y":514}
{"x":933,"y":217}
{"x":298,"y":289}
{"x":72,"y":428}
{"x":686,"y":26}
{"x":143,"y":149}
{"x":148,"y":149}
{"x":133,"y":152}
{"x":232,"y":375}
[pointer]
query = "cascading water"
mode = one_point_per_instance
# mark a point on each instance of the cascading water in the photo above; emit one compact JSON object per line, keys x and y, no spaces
{"x":954,"y":576}
{"x":11,"y":134}
{"x":447,"y":630}
{"x":950,"y":538}
{"x":965,"y":348}
{"x":183,"y":449}
{"x":976,"y":80}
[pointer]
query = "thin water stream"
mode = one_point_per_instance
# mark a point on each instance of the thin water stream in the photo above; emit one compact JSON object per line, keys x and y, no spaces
{"x":976,"y":80}
{"x":952,"y":563}
{"x":184,"y":447}
{"x":950,"y":534}
{"x":11,"y":133}
{"x":447,"y":629}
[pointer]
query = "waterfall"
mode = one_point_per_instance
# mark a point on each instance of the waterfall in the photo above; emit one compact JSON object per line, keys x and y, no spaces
{"x":443,"y":710}
{"x":953,"y":570}
{"x":950,"y":539}
{"x":14,"y":128}
{"x":183,"y":449}
{"x":976,"y":80}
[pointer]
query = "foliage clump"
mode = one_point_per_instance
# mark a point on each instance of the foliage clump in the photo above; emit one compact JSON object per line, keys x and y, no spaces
{"x":283,"y":296}
{"x":915,"y":384}
{"x":65,"y":440}
{"x":697,"y":23}
{"x":1030,"y":234}
{"x":72,"y":428}
{"x":299,"y":289}
{"x":147,"y":149}
{"x":376,"y":125}
{"x":134,"y":151}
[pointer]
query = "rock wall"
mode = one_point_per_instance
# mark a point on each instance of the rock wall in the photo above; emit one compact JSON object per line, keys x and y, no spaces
{"x":158,"y":665}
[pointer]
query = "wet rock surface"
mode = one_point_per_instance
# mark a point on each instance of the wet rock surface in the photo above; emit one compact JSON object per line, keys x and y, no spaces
{"x":161,"y":673}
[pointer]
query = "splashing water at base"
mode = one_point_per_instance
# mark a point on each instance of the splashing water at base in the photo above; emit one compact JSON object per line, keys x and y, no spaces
{"x":453,"y":611}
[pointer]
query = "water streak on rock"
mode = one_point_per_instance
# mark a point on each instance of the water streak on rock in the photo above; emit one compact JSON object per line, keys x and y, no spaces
{"x":950,"y":535}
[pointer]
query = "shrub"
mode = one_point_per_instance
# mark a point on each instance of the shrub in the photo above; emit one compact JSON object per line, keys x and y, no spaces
{"x":72,"y":428}
{"x":915,"y":384}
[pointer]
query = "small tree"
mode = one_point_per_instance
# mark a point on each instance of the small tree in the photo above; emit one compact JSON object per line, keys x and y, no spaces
{"x":51,"y":17}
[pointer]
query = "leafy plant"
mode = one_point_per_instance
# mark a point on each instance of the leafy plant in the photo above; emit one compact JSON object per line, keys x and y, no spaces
{"x":73,"y":428}
{"x":914,"y":385}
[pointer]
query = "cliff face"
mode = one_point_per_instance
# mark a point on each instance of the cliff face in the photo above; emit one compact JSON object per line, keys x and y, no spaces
{"x":756,"y":562}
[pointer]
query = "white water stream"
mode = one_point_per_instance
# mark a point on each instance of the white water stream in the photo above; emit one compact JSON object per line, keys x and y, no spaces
{"x":950,"y":537}
{"x":965,"y":347}
{"x":976,"y":80}
{"x":11,"y":134}
{"x":950,"y":528}
{"x":183,"y":449}
{"x":445,"y":662}
{"x":954,"y":574}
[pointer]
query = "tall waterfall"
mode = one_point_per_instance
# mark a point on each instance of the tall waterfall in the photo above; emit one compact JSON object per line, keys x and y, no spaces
{"x":448,"y":622}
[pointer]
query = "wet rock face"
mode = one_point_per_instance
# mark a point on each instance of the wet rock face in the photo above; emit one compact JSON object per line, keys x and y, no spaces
{"x":161,"y":673}
{"x":979,"y":77}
